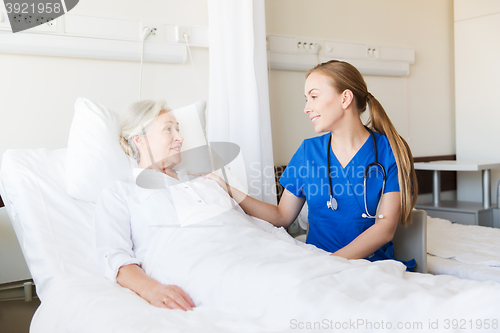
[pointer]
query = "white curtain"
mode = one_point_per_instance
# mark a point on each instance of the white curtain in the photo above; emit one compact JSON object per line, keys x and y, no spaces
{"x":238,"y":90}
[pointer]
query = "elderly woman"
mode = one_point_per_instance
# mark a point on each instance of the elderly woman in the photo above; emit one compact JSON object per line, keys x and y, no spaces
{"x":135,"y":217}
{"x":150,"y":133}
{"x":155,"y":204}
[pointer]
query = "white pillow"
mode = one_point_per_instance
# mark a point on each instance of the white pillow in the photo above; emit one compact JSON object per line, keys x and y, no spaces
{"x":95,"y":158}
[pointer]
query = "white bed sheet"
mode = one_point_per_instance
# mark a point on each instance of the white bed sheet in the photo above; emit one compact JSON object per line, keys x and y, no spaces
{"x":58,"y":245}
{"x":465,"y":251}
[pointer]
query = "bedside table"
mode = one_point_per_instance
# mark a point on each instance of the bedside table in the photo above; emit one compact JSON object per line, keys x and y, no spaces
{"x":463,"y":212}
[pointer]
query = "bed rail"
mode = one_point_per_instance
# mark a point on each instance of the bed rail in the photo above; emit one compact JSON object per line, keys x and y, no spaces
{"x":18,"y":290}
{"x":24,"y":288}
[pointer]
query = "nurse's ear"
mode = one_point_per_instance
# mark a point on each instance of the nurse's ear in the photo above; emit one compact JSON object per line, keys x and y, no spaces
{"x":347,"y":98}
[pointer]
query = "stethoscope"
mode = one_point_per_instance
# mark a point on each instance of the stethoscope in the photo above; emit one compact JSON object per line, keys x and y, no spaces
{"x":332,"y":203}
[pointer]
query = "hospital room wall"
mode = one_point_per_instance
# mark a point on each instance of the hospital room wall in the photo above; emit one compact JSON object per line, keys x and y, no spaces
{"x":421,"y":105}
{"x":37,"y":93}
{"x":477,"y":72}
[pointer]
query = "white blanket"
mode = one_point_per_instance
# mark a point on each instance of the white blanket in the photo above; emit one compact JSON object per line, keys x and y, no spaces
{"x":464,"y":243}
{"x":246,"y":276}
{"x":231,"y":265}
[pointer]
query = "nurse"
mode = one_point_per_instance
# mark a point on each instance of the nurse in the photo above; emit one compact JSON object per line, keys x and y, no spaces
{"x":354,"y":209}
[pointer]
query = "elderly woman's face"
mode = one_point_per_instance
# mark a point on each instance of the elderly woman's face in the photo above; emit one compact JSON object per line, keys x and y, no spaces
{"x":164,"y":139}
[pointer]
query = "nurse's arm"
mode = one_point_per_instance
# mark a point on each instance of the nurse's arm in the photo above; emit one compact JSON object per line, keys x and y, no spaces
{"x":378,"y":234}
{"x":282,"y":215}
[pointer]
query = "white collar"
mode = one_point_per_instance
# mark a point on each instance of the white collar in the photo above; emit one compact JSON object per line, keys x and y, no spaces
{"x":152,"y":181}
{"x":181,"y":173}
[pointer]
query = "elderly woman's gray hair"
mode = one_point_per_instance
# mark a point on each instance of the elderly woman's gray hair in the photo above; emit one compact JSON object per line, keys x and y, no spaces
{"x":138,"y":117}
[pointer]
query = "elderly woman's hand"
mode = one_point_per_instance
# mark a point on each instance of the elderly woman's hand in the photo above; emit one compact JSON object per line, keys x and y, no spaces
{"x":164,"y":296}
{"x":169,"y":296}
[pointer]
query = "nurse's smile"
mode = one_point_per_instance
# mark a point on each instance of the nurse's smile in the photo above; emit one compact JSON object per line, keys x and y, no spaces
{"x":313,"y":119}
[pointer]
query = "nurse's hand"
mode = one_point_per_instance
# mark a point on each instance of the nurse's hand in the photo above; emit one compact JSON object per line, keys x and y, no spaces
{"x":233,"y":192}
{"x":169,"y":296}
{"x":218,"y":179}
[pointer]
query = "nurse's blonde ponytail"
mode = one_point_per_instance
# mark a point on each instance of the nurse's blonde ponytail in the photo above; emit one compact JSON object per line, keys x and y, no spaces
{"x":380,"y":122}
{"x":346,"y":77}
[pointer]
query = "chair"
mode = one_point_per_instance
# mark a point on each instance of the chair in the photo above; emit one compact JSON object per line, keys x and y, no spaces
{"x":411,"y":241}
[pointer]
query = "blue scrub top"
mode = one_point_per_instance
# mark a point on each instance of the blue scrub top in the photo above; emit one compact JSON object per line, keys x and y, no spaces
{"x":306,"y":175}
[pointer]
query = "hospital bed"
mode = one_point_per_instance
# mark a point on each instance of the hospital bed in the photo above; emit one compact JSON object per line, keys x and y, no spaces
{"x":56,"y":235}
